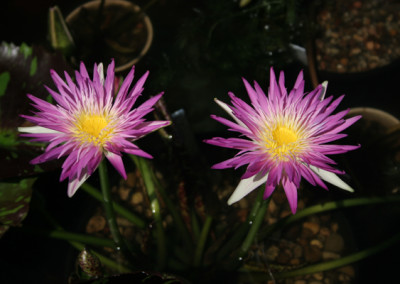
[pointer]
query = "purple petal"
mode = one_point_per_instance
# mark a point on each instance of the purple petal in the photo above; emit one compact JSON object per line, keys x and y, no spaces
{"x":291,"y":194}
{"x":116,"y":161}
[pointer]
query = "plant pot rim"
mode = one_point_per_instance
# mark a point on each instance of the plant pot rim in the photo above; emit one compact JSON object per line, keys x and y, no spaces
{"x":370,"y":113}
{"x":126,"y":5}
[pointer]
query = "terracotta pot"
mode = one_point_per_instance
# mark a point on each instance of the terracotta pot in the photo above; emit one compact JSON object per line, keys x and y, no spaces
{"x":122,"y":32}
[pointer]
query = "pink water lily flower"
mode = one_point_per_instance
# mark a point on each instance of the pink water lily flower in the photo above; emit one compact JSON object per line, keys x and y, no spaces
{"x":88,"y":122}
{"x":286,"y":136}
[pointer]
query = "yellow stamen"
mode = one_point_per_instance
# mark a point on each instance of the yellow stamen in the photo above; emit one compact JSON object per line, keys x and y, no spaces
{"x":93,"y":128}
{"x":283,"y":136}
{"x":282,"y":141}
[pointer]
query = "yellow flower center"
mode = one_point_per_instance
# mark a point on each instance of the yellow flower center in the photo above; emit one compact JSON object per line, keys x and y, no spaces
{"x":282,"y":142}
{"x":93,"y":128}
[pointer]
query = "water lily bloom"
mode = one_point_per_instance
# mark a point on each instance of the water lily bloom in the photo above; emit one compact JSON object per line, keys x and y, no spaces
{"x":88,"y":122}
{"x":287,"y":136}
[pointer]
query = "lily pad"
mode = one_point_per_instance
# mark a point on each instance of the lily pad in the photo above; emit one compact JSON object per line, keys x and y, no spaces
{"x":23,"y":70}
{"x":14,"y":202}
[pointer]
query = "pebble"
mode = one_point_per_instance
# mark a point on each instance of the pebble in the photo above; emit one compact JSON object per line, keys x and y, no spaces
{"x":318,"y":276}
{"x":312,"y":226}
{"x":283,"y":257}
{"x":327,"y":255}
{"x":317,"y":243}
{"x":334,"y":243}
{"x":95,"y":224}
{"x":312,"y":254}
{"x":272,"y":253}
{"x":124,"y":192}
{"x":349,"y":270}
{"x":137,"y":198}
{"x":357,"y":31}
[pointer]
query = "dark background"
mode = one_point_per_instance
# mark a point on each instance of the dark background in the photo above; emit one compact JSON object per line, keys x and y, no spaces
{"x":41,"y":260}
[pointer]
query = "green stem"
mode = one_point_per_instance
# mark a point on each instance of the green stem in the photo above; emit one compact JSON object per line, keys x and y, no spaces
{"x":328,"y":206}
{"x":78,"y":245}
{"x":243,"y":229}
{"x":118,"y":208}
{"x":149,"y":182}
{"x":178,"y":222}
{"x":108,"y":206}
{"x":202,"y":241}
{"x":255,"y":222}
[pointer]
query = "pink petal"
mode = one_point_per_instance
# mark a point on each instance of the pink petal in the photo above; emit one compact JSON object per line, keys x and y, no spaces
{"x":291,"y":194}
{"x":116,"y":161}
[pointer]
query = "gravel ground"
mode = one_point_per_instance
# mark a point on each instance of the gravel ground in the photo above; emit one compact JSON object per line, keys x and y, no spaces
{"x":355,"y":36}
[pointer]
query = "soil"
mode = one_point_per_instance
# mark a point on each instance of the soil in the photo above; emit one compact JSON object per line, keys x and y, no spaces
{"x":356,"y":36}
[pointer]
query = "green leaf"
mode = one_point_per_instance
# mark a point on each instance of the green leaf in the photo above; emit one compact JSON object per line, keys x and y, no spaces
{"x":14,"y":202}
{"x":59,"y":34}
{"x":23,"y":70}
{"x":4,"y":79}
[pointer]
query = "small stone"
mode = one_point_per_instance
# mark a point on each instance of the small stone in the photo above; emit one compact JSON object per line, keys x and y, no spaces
{"x":283,"y":258}
{"x":334,"y":243}
{"x":349,"y":270}
{"x":344,"y":61}
{"x":317,"y":243}
{"x":344,"y":277}
{"x":137,"y":198}
{"x":124,"y":222}
{"x":129,"y":233}
{"x":369,"y":45}
{"x":355,"y":51}
{"x":285,"y":213}
{"x":327,"y":255}
{"x":312,"y":254}
{"x":272,"y":253}
{"x":312,"y":226}
{"x":131,"y":179}
{"x":302,"y":241}
{"x":95,"y":224}
{"x":318,"y":276}
{"x":334,"y":227}
{"x":279,"y":197}
{"x":272,"y":208}
{"x":301,"y":205}
{"x":297,"y":251}
{"x":294,"y":261}
{"x":392,"y":32}
{"x":123,"y":192}
{"x":300,"y":282}
{"x":242,"y":214}
{"x":327,"y":281}
{"x":357,"y":4}
{"x":306,"y":233}
{"x":271,"y":220}
{"x":292,"y":233}
{"x":324,"y":231}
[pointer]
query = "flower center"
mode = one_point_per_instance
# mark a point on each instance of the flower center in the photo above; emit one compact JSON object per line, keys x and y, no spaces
{"x":93,"y":128}
{"x":283,"y":136}
{"x":282,"y":142}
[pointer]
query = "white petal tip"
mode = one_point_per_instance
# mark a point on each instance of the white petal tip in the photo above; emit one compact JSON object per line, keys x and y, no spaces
{"x":246,"y":186}
{"x":36,"y":129}
{"x":331,"y":178}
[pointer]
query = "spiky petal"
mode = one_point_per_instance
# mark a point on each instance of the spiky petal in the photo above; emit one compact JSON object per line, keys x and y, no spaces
{"x":288,"y":137}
